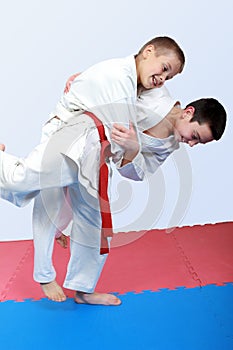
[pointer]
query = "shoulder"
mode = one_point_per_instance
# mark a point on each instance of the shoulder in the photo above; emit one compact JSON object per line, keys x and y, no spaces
{"x":156,"y":100}
{"x":118,"y":73}
{"x":155,"y":94}
{"x":113,"y":67}
{"x":153,"y":105}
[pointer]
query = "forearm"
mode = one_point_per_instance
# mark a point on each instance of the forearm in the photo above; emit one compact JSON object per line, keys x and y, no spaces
{"x":131,"y":169}
{"x":142,"y":164}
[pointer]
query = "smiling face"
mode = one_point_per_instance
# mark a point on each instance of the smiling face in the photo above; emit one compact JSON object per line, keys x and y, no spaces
{"x":154,"y":70}
{"x":191,"y":133}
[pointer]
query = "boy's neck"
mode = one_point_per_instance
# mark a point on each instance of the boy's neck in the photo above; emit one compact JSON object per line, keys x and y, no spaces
{"x":166,"y":126}
{"x":172,"y":117}
{"x":140,"y":89}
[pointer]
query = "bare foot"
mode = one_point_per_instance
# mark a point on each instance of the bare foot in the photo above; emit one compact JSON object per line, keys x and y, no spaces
{"x":2,"y":147}
{"x":96,"y":299}
{"x":53,"y":291}
{"x":62,"y":240}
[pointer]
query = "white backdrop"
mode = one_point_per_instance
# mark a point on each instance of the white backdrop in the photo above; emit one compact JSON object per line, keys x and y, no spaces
{"x":43,"y":42}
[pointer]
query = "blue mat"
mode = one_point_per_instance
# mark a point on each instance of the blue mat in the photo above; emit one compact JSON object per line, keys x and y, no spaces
{"x":198,"y":318}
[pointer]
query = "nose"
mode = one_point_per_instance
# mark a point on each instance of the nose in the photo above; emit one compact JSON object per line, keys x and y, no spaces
{"x":192,"y":143}
{"x":162,"y":79}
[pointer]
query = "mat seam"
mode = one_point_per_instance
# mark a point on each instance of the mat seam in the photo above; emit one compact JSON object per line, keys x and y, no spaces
{"x":195,"y":276}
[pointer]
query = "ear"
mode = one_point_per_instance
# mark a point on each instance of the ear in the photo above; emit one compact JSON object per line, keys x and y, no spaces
{"x":189,"y":112}
{"x":149,"y":49}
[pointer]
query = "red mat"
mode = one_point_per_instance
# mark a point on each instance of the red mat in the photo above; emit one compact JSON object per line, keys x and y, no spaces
{"x":188,"y":256}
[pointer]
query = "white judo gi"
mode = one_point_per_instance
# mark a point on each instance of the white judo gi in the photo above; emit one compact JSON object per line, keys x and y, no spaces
{"x":69,"y":158}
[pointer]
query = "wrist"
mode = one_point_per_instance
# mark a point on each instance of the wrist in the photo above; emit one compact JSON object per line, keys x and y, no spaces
{"x":128,"y":157}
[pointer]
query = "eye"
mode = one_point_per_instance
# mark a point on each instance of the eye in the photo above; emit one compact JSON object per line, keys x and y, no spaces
{"x":165,"y":68}
{"x":196,"y":137}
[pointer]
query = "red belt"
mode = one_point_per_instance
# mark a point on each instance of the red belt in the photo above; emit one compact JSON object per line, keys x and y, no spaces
{"x":106,"y":229}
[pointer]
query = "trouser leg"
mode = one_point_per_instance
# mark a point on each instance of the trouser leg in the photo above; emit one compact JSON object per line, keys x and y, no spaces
{"x":84,"y":268}
{"x":46,"y":222}
{"x":65,"y":216}
{"x":45,"y":167}
{"x":85,"y":263}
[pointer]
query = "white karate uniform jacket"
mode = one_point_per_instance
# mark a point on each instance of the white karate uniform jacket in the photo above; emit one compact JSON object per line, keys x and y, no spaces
{"x":70,"y":158}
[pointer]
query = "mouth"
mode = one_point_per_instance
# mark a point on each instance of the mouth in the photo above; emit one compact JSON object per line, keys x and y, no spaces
{"x":154,"y":81}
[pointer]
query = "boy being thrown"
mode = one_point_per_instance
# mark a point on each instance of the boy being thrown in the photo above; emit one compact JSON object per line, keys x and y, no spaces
{"x":108,"y":89}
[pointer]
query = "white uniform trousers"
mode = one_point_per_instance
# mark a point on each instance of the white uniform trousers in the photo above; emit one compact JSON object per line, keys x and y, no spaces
{"x":48,"y":171}
{"x":86,"y":263}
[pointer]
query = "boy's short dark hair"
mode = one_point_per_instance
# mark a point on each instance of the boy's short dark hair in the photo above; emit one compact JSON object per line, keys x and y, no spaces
{"x":162,"y":45}
{"x":212,"y":112}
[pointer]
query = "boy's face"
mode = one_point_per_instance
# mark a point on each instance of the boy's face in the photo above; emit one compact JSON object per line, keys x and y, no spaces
{"x":192,"y":133}
{"x":154,"y":70}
